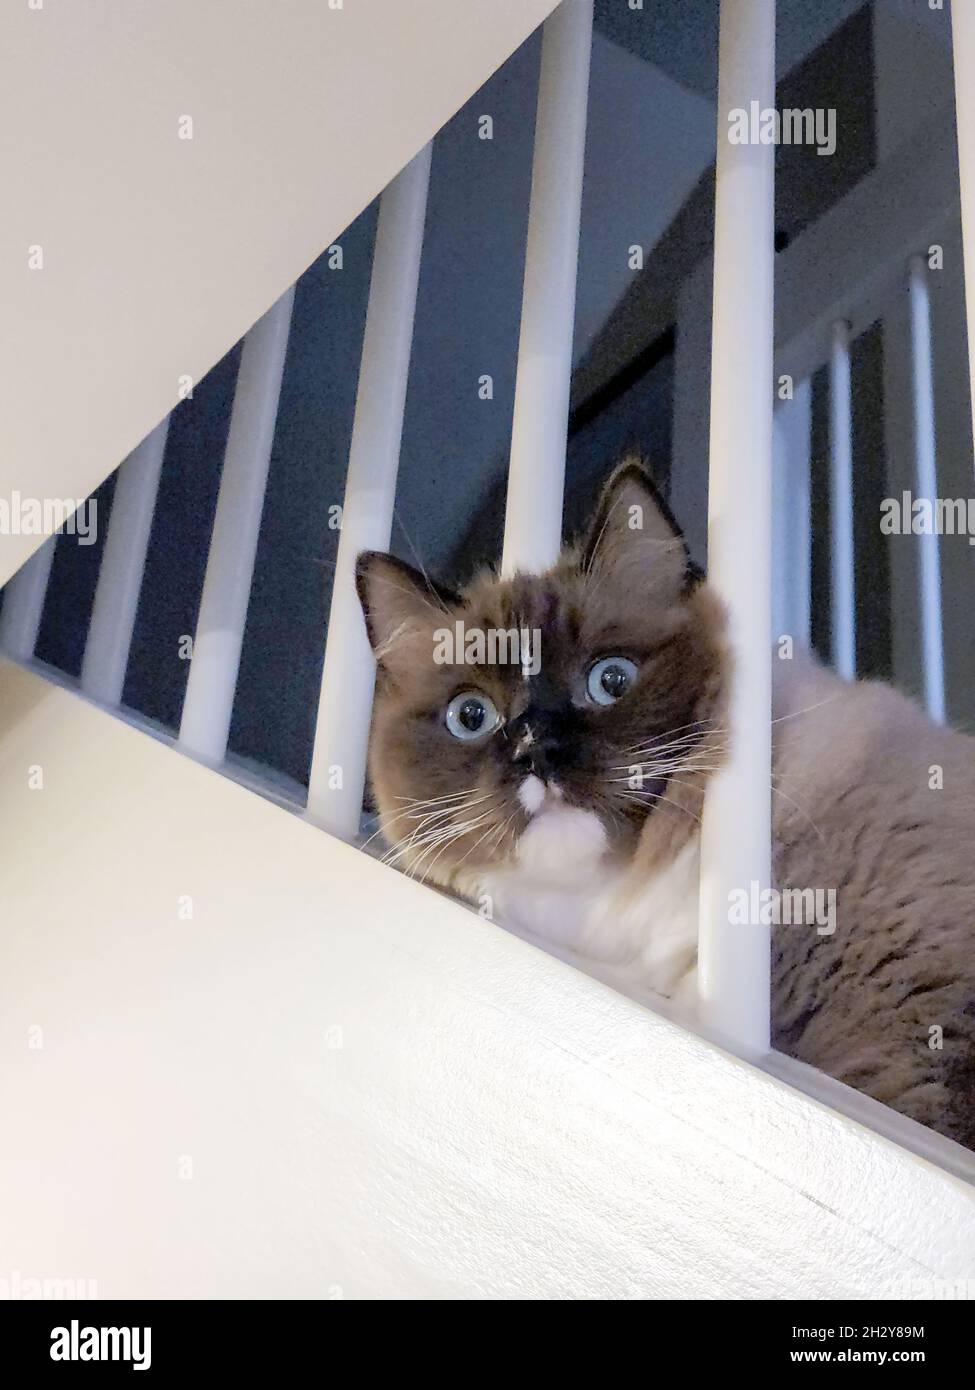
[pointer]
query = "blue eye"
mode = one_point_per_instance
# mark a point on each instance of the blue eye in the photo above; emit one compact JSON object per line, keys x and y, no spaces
{"x":610,"y":679}
{"x":471,"y":715}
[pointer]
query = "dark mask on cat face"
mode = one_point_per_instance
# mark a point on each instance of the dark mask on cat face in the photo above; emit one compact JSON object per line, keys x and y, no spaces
{"x":597,"y":685}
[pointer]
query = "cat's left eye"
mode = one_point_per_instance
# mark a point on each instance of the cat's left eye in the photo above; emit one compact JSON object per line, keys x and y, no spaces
{"x":610,"y":679}
{"x":471,"y":715}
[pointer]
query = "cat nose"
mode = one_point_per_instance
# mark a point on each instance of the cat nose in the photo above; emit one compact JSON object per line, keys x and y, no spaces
{"x":534,"y":748}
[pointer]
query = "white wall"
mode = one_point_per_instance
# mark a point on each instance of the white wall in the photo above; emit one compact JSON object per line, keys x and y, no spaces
{"x":378,"y":1093}
{"x":159,"y":252}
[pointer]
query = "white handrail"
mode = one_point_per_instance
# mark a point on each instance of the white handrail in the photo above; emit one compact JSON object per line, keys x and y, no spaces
{"x":735,"y":839}
{"x":926,"y":485}
{"x":212,"y":683}
{"x":338,"y":769}
{"x":122,"y":568}
{"x":536,"y":470}
{"x":842,"y":582}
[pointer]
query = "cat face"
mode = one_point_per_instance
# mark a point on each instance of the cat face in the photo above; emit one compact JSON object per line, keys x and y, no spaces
{"x":591,"y":695}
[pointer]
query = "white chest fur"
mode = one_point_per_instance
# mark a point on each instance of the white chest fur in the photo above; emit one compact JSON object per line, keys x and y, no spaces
{"x":565,"y":893}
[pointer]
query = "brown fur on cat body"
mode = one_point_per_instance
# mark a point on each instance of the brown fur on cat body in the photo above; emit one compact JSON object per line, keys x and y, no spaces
{"x":885,"y":1002}
{"x":853,"y":809}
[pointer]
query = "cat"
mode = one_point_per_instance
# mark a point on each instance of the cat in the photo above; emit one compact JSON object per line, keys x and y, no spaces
{"x":565,"y":795}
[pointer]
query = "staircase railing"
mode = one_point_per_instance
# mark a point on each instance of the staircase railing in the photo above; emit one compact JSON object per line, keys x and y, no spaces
{"x":743,"y":531}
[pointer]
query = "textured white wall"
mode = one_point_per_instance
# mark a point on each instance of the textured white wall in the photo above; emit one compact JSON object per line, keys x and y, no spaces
{"x":160,"y":252}
{"x":378,"y":1093}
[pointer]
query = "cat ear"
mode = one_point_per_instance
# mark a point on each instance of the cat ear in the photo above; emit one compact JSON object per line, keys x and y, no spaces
{"x":398,"y":603}
{"x":635,"y":535}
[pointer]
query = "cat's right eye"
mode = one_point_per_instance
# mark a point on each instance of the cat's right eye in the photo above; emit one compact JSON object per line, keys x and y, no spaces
{"x":471,"y":715}
{"x":610,"y":679}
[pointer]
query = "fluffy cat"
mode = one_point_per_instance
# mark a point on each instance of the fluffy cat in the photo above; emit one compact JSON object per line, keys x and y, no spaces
{"x":565,"y":794}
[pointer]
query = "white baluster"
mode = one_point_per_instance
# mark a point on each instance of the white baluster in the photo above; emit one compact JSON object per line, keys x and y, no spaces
{"x":338,"y":769}
{"x":212,"y":682}
{"x":120,"y":575}
{"x":926,"y":485}
{"x":791,"y":517}
{"x":842,"y":585}
{"x":23,"y":603}
{"x":536,"y":471}
{"x":735,"y":840}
